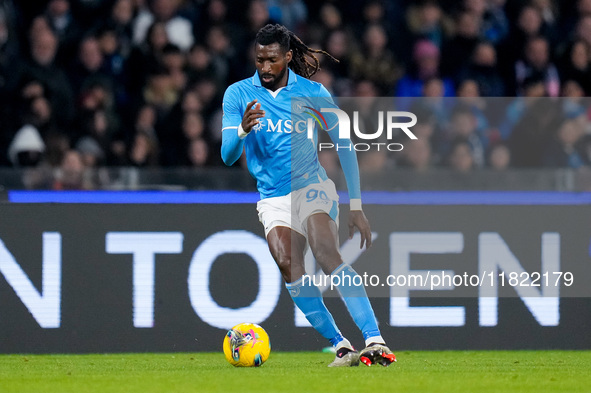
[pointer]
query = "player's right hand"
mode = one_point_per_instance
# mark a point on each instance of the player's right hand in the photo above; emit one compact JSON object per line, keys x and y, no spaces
{"x":252,"y":114}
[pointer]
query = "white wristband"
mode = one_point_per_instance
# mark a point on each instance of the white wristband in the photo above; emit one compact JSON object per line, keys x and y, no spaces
{"x":355,"y":204}
{"x":241,"y":133}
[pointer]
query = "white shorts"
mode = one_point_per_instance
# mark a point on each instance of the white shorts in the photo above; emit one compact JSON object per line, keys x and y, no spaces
{"x":292,"y":210}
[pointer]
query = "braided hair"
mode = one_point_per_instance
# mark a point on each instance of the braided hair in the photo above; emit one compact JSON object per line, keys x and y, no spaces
{"x":303,"y":62}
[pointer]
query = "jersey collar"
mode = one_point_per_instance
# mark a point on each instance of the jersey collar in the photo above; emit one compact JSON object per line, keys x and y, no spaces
{"x":292,"y":79}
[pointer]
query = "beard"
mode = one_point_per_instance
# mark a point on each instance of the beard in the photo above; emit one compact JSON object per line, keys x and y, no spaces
{"x":273,"y":80}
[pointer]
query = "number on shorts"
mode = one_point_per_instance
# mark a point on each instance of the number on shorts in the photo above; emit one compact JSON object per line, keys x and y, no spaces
{"x":312,"y":194}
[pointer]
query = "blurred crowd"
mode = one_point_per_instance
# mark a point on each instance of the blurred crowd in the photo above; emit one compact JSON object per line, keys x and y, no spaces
{"x":98,"y":83}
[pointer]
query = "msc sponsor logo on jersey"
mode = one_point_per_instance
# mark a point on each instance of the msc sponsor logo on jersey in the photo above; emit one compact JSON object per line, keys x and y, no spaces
{"x":257,"y":127}
{"x":280,"y":126}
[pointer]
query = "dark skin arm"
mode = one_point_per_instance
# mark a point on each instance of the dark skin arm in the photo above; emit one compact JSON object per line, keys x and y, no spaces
{"x":251,"y":116}
{"x":358,"y":220}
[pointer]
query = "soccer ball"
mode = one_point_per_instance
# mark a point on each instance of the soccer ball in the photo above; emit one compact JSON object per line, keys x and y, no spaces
{"x":247,"y":345}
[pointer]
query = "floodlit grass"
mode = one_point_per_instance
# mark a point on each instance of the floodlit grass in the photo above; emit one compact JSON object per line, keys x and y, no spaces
{"x":420,"y":371}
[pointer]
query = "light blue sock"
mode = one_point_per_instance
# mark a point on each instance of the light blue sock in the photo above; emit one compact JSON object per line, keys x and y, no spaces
{"x":309,"y":300}
{"x":356,"y":300}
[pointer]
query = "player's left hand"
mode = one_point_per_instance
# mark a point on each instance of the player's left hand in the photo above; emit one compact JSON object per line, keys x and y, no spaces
{"x":357,"y":219}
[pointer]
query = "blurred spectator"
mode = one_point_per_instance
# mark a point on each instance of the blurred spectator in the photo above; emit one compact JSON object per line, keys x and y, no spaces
{"x":147,"y":55}
{"x":39,"y":113}
{"x":583,"y":29}
{"x":533,"y":132}
{"x":215,"y":13}
{"x":340,"y":45}
{"x":536,"y":60}
{"x":585,"y":149}
{"x":73,"y":174}
{"x":62,"y":21}
{"x":550,"y":14}
{"x":193,"y":126}
{"x":426,"y":66}
{"x":460,"y":47}
{"x":463,"y":125}
{"x":575,"y":65}
{"x":572,"y":88}
{"x":327,"y":79}
{"x":468,"y":88}
{"x":564,"y":150}
{"x":26,"y":148}
{"x":197,"y":153}
{"x":30,"y":90}
{"x":175,"y":62}
{"x":383,"y":13}
{"x":146,"y":119}
{"x":574,"y":103}
{"x":433,"y":88}
{"x":178,"y":28}
{"x":114,"y":64}
{"x":516,"y":109}
{"x":42,"y":66}
{"x":143,"y":120}
{"x":98,"y":73}
{"x":160,"y":91}
{"x":367,"y":105}
{"x":329,"y":20}
{"x":120,"y":21}
{"x":482,"y":68}
{"x":290,"y":13}
{"x":144,"y":151}
{"x":97,"y":117}
{"x":200,"y":65}
{"x":9,"y":56}
{"x":499,"y":157}
{"x":38,"y":25}
{"x":56,"y":146}
{"x":376,"y":62}
{"x":191,"y":102}
{"x":10,"y":63}
{"x":373,"y":161}
{"x":469,"y":97}
{"x":572,"y":15}
{"x":417,"y":155}
{"x":88,"y":66}
{"x":529,"y":24}
{"x":257,"y":16}
{"x":535,"y":86}
{"x":36,"y":110}
{"x":495,"y":24}
{"x":426,"y":121}
{"x":208,"y":94}
{"x":460,"y":156}
{"x":434,"y":101}
{"x":91,"y":152}
{"x":548,"y":9}
{"x":222,"y":54}
{"x":425,"y":20}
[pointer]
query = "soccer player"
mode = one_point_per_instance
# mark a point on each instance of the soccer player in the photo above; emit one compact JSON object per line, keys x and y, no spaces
{"x":299,"y":204}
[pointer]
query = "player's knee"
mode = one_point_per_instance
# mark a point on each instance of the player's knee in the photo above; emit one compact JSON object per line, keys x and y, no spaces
{"x":290,"y":268}
{"x":287,"y":252}
{"x":328,"y":257}
{"x":284,"y":264}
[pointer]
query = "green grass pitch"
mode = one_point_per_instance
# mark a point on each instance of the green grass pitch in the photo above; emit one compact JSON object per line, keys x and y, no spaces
{"x":302,"y":372}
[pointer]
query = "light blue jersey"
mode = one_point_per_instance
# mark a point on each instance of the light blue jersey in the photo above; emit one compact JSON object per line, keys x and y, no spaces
{"x":279,"y":155}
